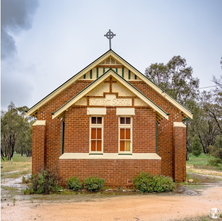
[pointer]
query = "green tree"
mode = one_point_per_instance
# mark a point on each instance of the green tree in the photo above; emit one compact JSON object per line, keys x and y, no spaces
{"x":176,"y":79}
{"x":218,"y":142}
{"x":202,"y":124}
{"x":15,"y":130}
{"x":215,"y":107}
{"x":196,"y":146}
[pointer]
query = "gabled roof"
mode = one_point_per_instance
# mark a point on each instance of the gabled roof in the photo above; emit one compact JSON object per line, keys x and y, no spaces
{"x":109,"y":53}
{"x":110,"y":72}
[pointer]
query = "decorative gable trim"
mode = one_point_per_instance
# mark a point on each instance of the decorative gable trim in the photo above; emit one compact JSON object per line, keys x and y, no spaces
{"x":153,"y":85}
{"x":35,"y":107}
{"x":98,"y":61}
{"x":95,"y":83}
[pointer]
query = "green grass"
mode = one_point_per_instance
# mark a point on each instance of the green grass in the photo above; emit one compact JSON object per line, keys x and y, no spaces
{"x":201,"y":160}
{"x":18,"y":165}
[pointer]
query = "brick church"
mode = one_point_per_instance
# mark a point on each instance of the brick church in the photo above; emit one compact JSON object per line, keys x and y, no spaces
{"x":111,"y":121}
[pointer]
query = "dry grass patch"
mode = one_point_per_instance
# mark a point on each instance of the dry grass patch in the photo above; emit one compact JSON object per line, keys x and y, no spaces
{"x":16,"y":167}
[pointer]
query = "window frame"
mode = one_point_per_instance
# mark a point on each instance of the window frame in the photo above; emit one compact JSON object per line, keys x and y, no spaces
{"x":95,"y":126}
{"x":125,"y":126}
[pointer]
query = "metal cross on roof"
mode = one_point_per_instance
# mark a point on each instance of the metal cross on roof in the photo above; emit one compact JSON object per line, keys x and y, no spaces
{"x":110,"y":35}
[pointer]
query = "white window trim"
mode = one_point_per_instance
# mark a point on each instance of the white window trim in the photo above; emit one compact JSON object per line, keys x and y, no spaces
{"x":131,"y":134}
{"x":95,"y":126}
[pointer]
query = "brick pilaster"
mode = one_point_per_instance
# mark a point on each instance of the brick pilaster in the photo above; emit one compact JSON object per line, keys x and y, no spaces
{"x":179,"y":139}
{"x":38,"y":146}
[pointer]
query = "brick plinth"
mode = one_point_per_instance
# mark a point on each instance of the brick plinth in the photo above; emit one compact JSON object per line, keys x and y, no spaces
{"x":38,"y":148}
{"x":116,"y":172}
{"x":179,"y":138}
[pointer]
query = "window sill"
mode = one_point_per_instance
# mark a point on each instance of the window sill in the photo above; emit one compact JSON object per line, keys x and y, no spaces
{"x":125,"y":154}
{"x":116,"y":156}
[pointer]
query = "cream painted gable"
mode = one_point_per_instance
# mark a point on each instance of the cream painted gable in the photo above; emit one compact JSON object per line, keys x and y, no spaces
{"x":111,"y":98}
{"x":123,"y":91}
{"x":111,"y":94}
{"x":99,"y":90}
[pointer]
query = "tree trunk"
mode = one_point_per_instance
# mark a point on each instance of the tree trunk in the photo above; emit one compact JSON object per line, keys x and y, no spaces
{"x":201,"y":141}
{"x":22,"y":151}
{"x":187,"y":155}
{"x":12,"y":149}
{"x":2,"y":155}
{"x":216,"y":120}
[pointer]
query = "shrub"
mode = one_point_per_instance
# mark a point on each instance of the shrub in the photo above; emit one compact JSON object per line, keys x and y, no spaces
{"x":217,"y":153}
{"x":215,"y":162}
{"x":211,"y":149}
{"x":196,"y":146}
{"x":24,"y":180}
{"x":74,"y":183}
{"x":93,"y":183}
{"x":146,"y":182}
{"x":44,"y":183}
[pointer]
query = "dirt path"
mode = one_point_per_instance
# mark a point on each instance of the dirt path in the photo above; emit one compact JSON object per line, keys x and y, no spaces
{"x":138,"y":207}
{"x":213,"y":173}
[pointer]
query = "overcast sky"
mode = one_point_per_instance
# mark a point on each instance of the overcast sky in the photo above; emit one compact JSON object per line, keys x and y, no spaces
{"x":45,"y":42}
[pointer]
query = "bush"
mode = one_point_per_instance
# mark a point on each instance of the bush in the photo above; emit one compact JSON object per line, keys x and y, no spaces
{"x":74,"y":183}
{"x":196,"y":146}
{"x":93,"y":183}
{"x":217,"y":153}
{"x":215,"y":162}
{"x":146,"y":182}
{"x":24,"y":180}
{"x":211,"y":149}
{"x":44,"y":183}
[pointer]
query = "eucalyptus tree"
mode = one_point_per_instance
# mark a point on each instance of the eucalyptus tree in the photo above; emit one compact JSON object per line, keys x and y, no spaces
{"x":15,"y":130}
{"x":176,"y":79}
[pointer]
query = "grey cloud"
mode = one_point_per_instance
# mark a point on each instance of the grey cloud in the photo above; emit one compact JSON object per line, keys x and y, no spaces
{"x":7,"y":45}
{"x":15,"y":83}
{"x":15,"y":89}
{"x":16,"y":15}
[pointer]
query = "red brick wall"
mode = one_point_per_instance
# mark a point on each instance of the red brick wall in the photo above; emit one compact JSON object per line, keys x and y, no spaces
{"x":54,"y":126}
{"x":76,"y":138}
{"x":38,"y":148}
{"x":180,"y":154}
{"x":110,"y":131}
{"x":77,"y":128}
{"x":144,"y":131}
{"x":115,"y":172}
{"x":164,"y":129}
